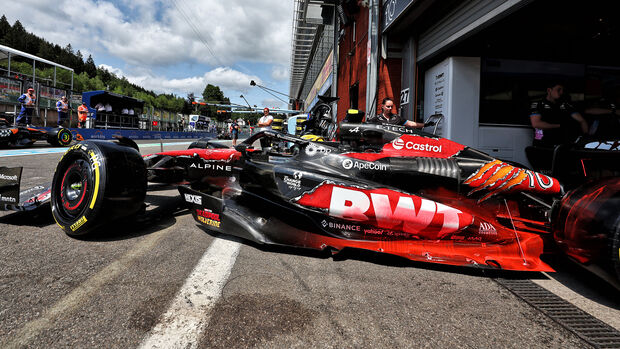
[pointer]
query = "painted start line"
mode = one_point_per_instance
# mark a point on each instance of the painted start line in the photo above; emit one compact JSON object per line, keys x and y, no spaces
{"x":39,"y":151}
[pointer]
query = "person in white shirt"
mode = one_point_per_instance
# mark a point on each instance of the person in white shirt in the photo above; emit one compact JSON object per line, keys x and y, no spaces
{"x":100,"y":107}
{"x":131,"y":112}
{"x":108,"y":108}
{"x":125,"y":111}
{"x":265,"y":121}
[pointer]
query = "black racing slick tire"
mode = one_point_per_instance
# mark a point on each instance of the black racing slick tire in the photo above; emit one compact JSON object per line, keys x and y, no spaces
{"x":615,"y":250}
{"x":97,"y":182}
{"x":60,"y":137}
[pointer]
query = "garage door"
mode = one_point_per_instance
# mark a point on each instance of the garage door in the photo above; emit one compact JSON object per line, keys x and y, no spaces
{"x":465,"y":19}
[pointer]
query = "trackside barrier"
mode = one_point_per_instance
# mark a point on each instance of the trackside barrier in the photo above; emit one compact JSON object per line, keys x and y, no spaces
{"x":89,"y":133}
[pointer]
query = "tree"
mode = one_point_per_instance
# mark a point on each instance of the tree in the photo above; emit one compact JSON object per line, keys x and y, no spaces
{"x":213,"y":94}
{"x":5,"y":26}
{"x":78,"y":62}
{"x":89,"y":67}
{"x":14,"y":36}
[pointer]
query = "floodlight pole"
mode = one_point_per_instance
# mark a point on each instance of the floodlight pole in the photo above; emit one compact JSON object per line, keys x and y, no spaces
{"x":246,"y":101}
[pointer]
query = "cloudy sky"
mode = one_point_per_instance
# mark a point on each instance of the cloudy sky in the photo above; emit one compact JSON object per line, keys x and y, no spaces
{"x":174,"y":46}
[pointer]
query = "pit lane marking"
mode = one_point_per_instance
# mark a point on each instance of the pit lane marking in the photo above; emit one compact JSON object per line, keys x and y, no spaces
{"x":189,"y":313}
{"x":25,"y":152}
{"x":74,"y":300}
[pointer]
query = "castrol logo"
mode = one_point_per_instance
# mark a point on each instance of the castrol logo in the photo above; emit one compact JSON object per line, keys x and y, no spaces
{"x":399,"y":144}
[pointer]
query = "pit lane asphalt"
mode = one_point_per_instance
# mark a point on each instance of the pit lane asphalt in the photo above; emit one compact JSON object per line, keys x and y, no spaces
{"x":110,"y":290}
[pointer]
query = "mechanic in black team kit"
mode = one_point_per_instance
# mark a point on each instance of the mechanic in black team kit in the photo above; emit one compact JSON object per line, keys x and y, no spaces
{"x":551,"y":118}
{"x":387,"y":117}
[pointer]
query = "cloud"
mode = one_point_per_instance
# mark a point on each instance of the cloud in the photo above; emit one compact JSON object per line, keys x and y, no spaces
{"x":150,"y":39}
{"x":280,"y":72}
{"x":163,"y":33}
{"x":226,"y":78}
{"x":272,"y":103}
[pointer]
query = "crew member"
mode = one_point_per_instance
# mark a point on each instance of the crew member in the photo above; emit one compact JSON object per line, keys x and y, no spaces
{"x":266,"y":120}
{"x":82,"y":115}
{"x":234,"y":132}
{"x":264,"y":123}
{"x":28,"y":101}
{"x":387,"y":117}
{"x":550,"y":117}
{"x":62,"y":106}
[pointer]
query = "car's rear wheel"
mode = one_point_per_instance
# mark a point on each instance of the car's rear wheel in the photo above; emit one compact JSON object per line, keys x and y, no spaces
{"x":60,"y":137}
{"x":97,"y":182}
{"x":615,"y":250}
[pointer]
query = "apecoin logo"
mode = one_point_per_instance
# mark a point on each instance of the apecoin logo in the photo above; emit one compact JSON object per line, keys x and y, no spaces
{"x":347,"y":164}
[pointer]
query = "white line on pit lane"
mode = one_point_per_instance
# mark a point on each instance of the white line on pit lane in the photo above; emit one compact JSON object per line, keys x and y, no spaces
{"x":187,"y":317}
{"x":39,"y":151}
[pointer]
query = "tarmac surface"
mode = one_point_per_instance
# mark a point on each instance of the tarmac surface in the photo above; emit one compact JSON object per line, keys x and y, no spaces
{"x":138,"y":283}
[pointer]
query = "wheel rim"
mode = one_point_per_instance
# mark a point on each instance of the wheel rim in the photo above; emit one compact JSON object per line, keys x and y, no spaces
{"x":64,"y":137}
{"x":75,"y":188}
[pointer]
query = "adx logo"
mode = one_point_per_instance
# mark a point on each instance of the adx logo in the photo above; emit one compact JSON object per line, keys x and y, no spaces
{"x":193,"y":199}
{"x":399,"y":144}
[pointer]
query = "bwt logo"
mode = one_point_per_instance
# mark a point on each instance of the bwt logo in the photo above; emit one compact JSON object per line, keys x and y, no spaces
{"x":399,"y":144}
{"x":193,"y":199}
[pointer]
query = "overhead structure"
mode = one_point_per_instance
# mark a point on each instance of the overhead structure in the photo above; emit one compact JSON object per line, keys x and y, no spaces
{"x":7,"y":53}
{"x":304,"y":33}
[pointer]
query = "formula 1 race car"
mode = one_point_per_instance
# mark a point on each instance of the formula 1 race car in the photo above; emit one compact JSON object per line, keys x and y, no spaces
{"x":382,"y":188}
{"x":16,"y":136}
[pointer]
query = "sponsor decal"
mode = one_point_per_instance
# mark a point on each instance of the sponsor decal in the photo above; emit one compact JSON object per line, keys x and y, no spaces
{"x":208,"y":166}
{"x":294,"y":183}
{"x":208,"y":217}
{"x":385,"y":232}
{"x":80,"y":222}
{"x":487,"y":229}
{"x":399,"y":144}
{"x":341,"y":226}
{"x":96,"y":160}
{"x":354,"y":130}
{"x":7,"y":199}
{"x":9,"y":184}
{"x":499,"y":177}
{"x":312,"y":150}
{"x":8,"y":178}
{"x":399,"y":129}
{"x":416,"y":145}
{"x":97,"y":135}
{"x":193,"y":199}
{"x":388,"y":209}
{"x":348,"y":164}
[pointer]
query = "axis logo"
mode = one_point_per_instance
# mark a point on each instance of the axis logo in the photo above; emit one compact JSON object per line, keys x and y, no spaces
{"x":193,"y":199}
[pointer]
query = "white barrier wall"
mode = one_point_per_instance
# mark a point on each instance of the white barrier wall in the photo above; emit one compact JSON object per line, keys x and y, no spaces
{"x":452,"y":88}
